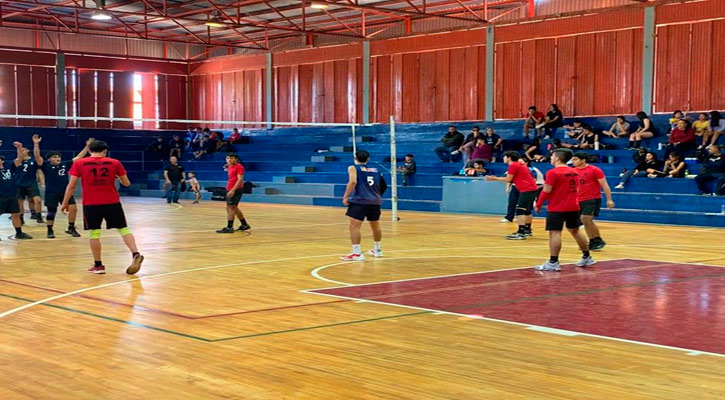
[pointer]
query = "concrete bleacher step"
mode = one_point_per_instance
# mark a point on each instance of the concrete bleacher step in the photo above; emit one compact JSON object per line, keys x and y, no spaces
{"x":341,"y":149}
{"x":183,"y":195}
{"x":303,"y":169}
{"x":361,"y":139}
{"x":664,"y":217}
{"x":284,"y":179}
{"x":412,"y":205}
{"x":327,"y":158}
{"x":669,"y":202}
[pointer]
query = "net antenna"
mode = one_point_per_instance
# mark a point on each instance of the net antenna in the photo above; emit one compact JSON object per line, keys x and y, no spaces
{"x":393,"y":171}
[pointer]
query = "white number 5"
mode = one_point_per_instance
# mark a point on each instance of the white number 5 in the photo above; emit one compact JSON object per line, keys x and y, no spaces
{"x":371,"y":181}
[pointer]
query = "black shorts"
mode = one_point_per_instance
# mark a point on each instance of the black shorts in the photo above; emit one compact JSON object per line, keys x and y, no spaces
{"x":234,"y":200}
{"x":53,"y":199}
{"x":360,"y":212}
{"x":526,"y":202}
{"x":555,"y":221}
{"x":591,"y":207}
{"x":93,"y":216}
{"x":29,"y":192}
{"x":9,"y":205}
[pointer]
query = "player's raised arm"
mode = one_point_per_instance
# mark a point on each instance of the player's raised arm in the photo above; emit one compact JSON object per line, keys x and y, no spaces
{"x":351,"y":182}
{"x":19,"y":158}
{"x":84,"y":151}
{"x":36,"y":150}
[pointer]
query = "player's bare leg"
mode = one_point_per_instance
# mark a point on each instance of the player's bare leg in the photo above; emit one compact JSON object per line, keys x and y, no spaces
{"x":355,"y":238}
{"x":38,"y":207}
{"x":240,"y":215}
{"x":72,"y":215}
{"x":595,"y":238}
{"x":377,"y":250}
{"x":130,"y":241}
{"x":554,"y":250}
{"x":17,"y":224}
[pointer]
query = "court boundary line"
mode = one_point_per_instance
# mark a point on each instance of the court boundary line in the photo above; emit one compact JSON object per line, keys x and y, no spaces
{"x":533,"y":327}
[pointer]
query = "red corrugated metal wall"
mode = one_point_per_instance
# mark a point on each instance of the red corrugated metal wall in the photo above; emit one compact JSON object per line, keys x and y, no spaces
{"x":229,"y":96}
{"x":123,"y":98}
{"x":8,"y":105}
{"x":103,"y":98}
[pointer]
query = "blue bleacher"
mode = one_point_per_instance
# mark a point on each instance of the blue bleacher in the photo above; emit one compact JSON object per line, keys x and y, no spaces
{"x":277,"y":162}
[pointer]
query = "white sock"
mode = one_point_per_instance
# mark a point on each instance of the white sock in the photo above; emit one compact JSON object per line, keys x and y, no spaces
{"x":356,"y":249}
{"x":378,"y":247}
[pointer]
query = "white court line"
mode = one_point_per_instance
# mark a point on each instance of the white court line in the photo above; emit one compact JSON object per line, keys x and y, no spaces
{"x":87,"y":289}
{"x":316,"y":272}
{"x":527,"y":326}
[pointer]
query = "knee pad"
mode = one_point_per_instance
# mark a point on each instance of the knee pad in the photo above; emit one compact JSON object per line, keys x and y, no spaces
{"x":124,"y":231}
{"x":95,"y":234}
{"x":50,"y":215}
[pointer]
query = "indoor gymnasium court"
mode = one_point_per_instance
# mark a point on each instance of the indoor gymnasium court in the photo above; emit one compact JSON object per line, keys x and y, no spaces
{"x":232,"y":162}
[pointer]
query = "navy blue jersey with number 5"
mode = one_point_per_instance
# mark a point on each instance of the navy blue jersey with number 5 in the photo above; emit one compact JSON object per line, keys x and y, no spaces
{"x":369,"y":186}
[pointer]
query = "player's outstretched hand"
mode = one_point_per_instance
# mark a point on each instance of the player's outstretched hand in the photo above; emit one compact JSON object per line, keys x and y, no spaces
{"x":64,"y":208}
{"x":17,"y":145}
{"x":610,"y":204}
{"x":490,"y":178}
{"x":37,"y":138}
{"x":89,"y":141}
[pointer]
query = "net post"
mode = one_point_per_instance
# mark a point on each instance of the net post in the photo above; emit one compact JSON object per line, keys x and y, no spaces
{"x":393,"y":171}
{"x":354,"y":142}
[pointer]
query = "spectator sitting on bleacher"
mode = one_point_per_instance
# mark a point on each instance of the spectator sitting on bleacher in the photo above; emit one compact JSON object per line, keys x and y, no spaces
{"x":713,"y":169}
{"x":618,"y":129}
{"x":468,"y":144}
{"x":235,"y":137}
{"x":476,"y":168}
{"x":483,"y":151}
{"x":682,"y":139}
{"x":702,"y":128}
{"x":196,"y":139}
{"x":158,"y":149}
{"x":717,"y":124}
{"x":674,"y":168}
{"x":646,"y":130}
{"x":452,"y":140}
{"x":675,"y":118}
{"x":554,"y":120}
{"x":586,"y":139}
{"x":640,"y":155}
{"x":649,"y":166}
{"x":177,"y":145}
{"x":203,"y":147}
{"x":408,"y":169}
{"x":575,"y":130}
{"x":533,"y":152}
{"x":495,"y":141}
{"x":532,"y":119}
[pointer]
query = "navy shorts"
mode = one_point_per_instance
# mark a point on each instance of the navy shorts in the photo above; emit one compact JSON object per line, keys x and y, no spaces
{"x":361,"y":212}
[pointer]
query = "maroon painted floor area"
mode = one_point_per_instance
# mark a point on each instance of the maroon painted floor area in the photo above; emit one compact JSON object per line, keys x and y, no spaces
{"x":680,"y":305}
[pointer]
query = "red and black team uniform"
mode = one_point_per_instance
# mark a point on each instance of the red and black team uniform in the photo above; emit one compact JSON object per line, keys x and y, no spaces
{"x":100,"y":197}
{"x":526,"y":185}
{"x":590,"y":194}
{"x":563,"y":203}
{"x":233,"y":172}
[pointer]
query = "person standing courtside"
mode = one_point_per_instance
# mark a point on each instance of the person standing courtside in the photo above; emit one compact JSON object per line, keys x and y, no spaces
{"x":101,"y":202}
{"x":560,"y":188}
{"x":9,"y":199}
{"x":56,"y":180}
{"x":520,"y":176}
{"x":591,"y":183}
{"x":174,"y":175}
{"x":363,"y":196}
{"x":235,"y":173}
{"x":25,"y":173}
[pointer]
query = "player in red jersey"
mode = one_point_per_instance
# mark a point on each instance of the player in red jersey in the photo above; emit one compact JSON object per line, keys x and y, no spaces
{"x":101,"y":202}
{"x":235,"y":172}
{"x":591,"y":182}
{"x":520,"y":176}
{"x":560,"y":188}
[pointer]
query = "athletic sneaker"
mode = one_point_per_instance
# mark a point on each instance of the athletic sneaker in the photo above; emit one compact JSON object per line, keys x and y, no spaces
{"x":586,"y":262}
{"x":244,"y":227}
{"x":23,"y":235}
{"x":516,"y":236}
{"x":598,"y":245}
{"x":620,"y":186}
{"x":97,"y":270}
{"x":135,"y":264}
{"x":353,"y":257}
{"x":51,"y":235}
{"x":374,"y":253}
{"x":528,"y":234}
{"x":548,"y":266}
{"x":225,"y":230}
{"x":505,"y":220}
{"x":73,"y":232}
{"x":39,"y":219}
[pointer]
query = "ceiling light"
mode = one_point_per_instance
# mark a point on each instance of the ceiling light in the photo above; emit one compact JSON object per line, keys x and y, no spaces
{"x":101,"y":16}
{"x":214,"y":21}
{"x":319,"y":6}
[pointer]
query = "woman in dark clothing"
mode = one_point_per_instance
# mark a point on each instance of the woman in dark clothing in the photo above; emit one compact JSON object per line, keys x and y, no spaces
{"x":674,"y":168}
{"x":650,"y":166}
{"x":553,"y":121}
{"x":646,"y":130}
{"x":533,"y":152}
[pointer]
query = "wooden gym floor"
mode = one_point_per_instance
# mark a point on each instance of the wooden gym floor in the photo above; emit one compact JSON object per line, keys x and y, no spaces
{"x":274,"y":315}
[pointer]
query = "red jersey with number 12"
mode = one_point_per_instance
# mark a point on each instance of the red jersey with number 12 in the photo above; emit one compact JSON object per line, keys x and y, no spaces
{"x":98,"y":179}
{"x":589,"y":187}
{"x":564,"y":184}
